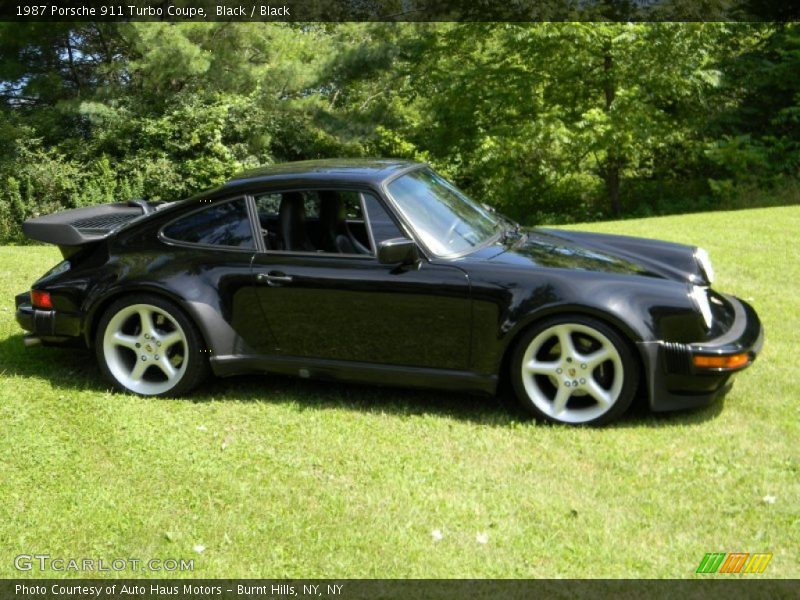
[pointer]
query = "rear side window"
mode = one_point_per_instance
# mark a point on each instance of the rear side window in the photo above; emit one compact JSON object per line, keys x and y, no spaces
{"x":226,"y":224}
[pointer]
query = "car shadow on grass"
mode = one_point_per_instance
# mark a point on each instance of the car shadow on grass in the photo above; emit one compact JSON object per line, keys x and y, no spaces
{"x":639,"y":415}
{"x":65,"y":368}
{"x":76,"y":370}
{"x":316,"y":394}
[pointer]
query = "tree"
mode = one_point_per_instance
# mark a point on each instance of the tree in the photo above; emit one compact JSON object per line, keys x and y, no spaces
{"x":757,"y":137}
{"x":550,"y":105}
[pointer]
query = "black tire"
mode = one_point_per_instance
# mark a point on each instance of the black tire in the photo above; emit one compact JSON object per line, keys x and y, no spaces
{"x":192,"y":360}
{"x":539,"y":388}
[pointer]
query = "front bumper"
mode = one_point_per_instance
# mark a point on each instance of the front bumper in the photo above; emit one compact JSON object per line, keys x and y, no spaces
{"x":50,"y":326}
{"x":675,"y":383}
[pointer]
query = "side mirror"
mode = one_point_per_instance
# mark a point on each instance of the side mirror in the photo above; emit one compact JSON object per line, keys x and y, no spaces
{"x":398,"y":251}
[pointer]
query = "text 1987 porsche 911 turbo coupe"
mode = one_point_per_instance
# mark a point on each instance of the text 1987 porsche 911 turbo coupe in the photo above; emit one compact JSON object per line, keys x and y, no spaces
{"x":382,"y":271}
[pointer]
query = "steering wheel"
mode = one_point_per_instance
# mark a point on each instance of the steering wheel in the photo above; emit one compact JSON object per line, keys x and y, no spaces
{"x":470,"y":236}
{"x":451,"y":230}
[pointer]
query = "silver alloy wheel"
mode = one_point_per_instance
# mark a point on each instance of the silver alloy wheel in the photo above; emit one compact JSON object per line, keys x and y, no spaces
{"x":572,"y":373}
{"x":145,"y":349}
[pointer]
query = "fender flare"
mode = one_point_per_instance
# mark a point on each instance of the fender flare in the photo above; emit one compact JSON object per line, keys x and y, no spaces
{"x":219,"y":337}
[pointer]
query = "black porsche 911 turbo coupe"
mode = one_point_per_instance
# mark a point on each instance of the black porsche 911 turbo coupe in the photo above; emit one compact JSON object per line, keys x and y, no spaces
{"x":381,"y":271}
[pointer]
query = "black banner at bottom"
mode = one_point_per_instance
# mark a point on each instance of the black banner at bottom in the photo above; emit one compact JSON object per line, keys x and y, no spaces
{"x":377,"y":589}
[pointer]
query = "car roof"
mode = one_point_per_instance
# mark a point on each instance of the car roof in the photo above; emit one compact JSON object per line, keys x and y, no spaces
{"x":339,"y":170}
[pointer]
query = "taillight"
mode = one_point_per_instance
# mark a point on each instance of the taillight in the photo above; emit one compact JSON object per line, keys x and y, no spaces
{"x":41,"y":299}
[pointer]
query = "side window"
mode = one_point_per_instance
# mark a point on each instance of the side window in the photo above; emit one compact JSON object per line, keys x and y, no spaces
{"x":268,"y":204}
{"x":311,"y":201}
{"x":380,"y":221}
{"x":320,"y":221}
{"x":352,"y":206}
{"x":267,"y":209}
{"x":292,"y":231}
{"x":224,"y":224}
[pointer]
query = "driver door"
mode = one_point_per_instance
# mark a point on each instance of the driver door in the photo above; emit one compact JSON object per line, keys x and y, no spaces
{"x":349,"y":307}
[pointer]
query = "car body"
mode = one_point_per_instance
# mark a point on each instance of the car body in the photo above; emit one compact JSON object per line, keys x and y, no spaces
{"x":381,"y":271}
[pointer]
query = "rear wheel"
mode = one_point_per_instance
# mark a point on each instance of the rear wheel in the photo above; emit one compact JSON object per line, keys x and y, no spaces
{"x":576,"y":370}
{"x":146,"y":345}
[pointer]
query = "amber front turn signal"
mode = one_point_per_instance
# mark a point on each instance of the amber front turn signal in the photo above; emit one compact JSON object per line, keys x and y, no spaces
{"x":730,"y":361}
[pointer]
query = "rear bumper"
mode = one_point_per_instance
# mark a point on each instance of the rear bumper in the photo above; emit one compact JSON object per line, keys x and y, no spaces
{"x":50,"y":326}
{"x":675,"y":383}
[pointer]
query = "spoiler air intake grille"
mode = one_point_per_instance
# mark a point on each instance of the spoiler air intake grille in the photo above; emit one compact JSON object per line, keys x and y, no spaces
{"x":102,"y":222}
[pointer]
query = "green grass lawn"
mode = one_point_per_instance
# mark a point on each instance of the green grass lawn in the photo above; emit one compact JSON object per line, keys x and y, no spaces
{"x":276,"y":477}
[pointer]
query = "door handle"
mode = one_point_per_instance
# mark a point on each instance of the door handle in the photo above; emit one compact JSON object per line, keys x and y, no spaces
{"x":274,"y":278}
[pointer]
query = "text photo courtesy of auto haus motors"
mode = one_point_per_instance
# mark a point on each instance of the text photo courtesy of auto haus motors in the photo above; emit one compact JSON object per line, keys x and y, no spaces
{"x":292,"y":268}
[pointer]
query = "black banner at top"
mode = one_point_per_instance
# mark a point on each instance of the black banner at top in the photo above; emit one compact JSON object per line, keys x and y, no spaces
{"x":398,"y":10}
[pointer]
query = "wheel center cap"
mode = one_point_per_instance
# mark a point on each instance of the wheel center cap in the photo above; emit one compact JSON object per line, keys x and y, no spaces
{"x":149,"y":348}
{"x":571,"y":372}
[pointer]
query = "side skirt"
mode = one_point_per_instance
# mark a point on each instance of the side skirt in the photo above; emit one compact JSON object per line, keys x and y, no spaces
{"x":341,"y":370}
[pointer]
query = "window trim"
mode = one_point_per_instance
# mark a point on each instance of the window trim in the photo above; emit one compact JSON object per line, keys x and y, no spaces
{"x":360,"y":190}
{"x":205,"y":205}
{"x":368,"y":224}
{"x":401,"y":228}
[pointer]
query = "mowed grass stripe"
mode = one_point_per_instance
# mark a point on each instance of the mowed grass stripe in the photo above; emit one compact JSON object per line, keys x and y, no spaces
{"x":277,"y":477}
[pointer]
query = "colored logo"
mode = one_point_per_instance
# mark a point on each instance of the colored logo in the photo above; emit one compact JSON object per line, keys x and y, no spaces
{"x":734,"y":562}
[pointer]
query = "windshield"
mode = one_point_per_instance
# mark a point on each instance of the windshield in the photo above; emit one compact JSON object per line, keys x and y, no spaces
{"x":447,"y":222}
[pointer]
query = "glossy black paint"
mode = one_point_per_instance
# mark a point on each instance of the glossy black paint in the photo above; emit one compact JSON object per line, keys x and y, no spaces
{"x":357,"y":309}
{"x":434,"y":322}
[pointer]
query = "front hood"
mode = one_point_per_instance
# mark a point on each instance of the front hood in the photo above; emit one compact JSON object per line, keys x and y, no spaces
{"x":584,"y":251}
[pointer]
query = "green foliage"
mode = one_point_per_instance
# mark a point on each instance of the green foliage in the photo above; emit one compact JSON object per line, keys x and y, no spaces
{"x":45,"y":181}
{"x":757,"y":137}
{"x":549,"y":122}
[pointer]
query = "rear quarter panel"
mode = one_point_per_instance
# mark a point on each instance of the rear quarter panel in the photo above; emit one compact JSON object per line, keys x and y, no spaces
{"x":212,"y":286}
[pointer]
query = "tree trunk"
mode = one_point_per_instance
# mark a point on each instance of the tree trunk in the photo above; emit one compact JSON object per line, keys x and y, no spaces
{"x":611,"y":168}
{"x":71,"y":61}
{"x":611,"y":176}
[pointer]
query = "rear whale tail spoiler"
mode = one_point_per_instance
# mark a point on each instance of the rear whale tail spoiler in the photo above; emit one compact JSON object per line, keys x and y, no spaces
{"x":80,"y":226}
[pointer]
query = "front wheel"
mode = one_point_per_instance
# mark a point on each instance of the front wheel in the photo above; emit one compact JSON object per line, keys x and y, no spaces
{"x":574,"y":370}
{"x":146,"y":345}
